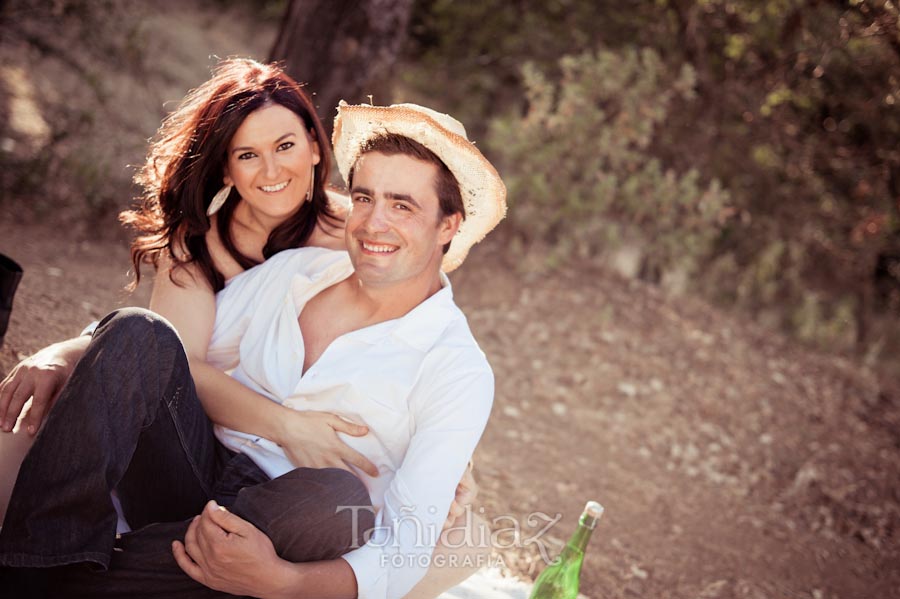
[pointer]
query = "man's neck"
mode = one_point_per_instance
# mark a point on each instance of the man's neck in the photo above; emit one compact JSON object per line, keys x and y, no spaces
{"x":390,"y":302}
{"x":350,"y":306}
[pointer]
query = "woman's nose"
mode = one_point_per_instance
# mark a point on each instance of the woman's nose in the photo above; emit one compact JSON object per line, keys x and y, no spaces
{"x":271,"y":167}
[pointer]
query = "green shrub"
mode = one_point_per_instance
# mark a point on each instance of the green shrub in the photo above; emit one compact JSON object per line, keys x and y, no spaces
{"x":580,"y":169}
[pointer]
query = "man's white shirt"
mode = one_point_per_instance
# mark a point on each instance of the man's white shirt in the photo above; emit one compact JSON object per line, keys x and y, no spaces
{"x":419,"y":382}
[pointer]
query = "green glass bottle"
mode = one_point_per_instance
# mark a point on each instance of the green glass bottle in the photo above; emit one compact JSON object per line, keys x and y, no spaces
{"x":560,"y":579}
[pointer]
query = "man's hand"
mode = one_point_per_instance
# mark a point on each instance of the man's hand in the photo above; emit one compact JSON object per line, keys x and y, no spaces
{"x":466,"y":492}
{"x":310,"y":440}
{"x":41,"y":376}
{"x":227,"y":553}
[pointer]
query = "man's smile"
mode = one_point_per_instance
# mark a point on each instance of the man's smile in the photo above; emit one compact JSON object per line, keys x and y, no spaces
{"x":378,"y":248}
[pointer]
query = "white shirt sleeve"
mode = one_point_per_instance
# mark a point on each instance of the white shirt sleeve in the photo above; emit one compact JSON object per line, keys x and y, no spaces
{"x":450,"y":406}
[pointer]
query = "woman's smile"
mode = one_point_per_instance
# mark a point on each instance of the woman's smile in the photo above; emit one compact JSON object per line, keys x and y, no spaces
{"x":275,"y":188}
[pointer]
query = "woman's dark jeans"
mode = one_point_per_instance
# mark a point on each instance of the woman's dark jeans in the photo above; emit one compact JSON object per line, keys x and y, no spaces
{"x":129,"y":419}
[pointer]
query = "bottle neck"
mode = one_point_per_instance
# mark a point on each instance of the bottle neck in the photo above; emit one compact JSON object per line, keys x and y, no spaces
{"x":582,"y":535}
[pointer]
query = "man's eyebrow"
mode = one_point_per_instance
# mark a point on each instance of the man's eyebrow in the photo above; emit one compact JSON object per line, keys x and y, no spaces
{"x":277,"y":141}
{"x":361,"y":190}
{"x":403,"y":197}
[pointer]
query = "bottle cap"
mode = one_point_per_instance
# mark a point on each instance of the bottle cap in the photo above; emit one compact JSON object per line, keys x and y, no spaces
{"x":591,"y":514}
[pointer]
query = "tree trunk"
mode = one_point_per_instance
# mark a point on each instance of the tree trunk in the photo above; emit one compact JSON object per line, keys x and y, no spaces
{"x":343,"y":49}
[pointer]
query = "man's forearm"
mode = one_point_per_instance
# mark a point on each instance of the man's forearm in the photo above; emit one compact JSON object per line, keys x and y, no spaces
{"x":330,"y":579}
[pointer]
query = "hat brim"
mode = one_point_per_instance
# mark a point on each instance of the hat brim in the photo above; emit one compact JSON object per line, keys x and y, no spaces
{"x":483,"y":192}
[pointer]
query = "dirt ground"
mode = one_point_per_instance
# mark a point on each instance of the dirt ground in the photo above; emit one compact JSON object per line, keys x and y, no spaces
{"x":732,"y":463}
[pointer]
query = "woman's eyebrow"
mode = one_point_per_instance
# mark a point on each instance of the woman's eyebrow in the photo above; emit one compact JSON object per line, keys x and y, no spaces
{"x":277,"y":141}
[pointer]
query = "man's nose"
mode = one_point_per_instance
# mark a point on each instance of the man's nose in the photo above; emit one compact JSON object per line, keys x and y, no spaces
{"x":377,"y":218}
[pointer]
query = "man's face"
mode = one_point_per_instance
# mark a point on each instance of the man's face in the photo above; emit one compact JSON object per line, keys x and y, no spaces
{"x":395,"y":231}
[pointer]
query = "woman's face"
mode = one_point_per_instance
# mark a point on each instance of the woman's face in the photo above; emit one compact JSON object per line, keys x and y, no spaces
{"x":270,"y":161}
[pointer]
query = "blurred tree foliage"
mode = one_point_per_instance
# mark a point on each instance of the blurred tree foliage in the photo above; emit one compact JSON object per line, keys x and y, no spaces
{"x":579,"y":171}
{"x":795,"y":110}
{"x":85,"y":83}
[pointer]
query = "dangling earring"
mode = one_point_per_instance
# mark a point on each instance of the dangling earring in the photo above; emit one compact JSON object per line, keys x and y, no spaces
{"x":218,"y":200}
{"x":312,"y":181}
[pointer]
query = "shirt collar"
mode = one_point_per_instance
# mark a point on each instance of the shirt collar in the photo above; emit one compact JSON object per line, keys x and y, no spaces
{"x":422,"y":326}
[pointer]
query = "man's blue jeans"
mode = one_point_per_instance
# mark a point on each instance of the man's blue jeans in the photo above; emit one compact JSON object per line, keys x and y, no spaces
{"x":129,"y":420}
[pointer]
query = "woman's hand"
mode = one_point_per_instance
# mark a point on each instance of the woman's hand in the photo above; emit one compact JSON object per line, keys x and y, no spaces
{"x":310,"y":440}
{"x":41,"y":376}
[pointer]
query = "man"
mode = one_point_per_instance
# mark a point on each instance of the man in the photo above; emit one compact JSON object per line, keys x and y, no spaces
{"x":290,"y":328}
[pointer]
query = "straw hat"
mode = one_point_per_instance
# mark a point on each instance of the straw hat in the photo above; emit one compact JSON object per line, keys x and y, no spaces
{"x":483,"y":192}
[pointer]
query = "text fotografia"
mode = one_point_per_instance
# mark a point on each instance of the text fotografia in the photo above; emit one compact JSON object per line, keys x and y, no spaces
{"x":441,"y":560}
{"x":500,"y":532}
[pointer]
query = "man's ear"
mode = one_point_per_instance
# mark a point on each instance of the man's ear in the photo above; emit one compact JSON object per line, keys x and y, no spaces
{"x":448,"y":227}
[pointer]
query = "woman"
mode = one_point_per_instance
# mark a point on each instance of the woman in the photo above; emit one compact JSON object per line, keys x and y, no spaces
{"x":238,"y":173}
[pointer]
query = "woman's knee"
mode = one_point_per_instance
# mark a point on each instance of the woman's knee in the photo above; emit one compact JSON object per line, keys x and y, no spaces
{"x":319,"y":493}
{"x":134,"y":353}
{"x":135,"y":325}
{"x":342,"y":487}
{"x":309,"y":514}
{"x":130,"y":341}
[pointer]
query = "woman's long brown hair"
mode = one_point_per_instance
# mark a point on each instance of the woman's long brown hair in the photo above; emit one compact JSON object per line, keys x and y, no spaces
{"x":185,"y":168}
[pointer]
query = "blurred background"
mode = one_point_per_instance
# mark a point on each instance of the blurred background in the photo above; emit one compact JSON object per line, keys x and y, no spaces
{"x":699,"y":276}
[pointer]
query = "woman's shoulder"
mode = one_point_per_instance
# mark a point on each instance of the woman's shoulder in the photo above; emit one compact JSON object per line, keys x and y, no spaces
{"x":177,"y":282}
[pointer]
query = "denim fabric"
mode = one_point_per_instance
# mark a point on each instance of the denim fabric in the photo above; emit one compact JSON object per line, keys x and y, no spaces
{"x":305,"y":513}
{"x":129,"y":419}
{"x":297,"y":511}
{"x":132,"y":386}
